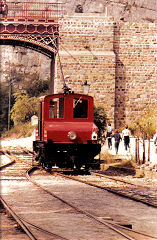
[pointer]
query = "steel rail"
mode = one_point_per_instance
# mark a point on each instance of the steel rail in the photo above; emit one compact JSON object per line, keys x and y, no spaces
{"x":112,"y":223}
{"x":14,"y":157}
{"x":7,"y":164}
{"x":127,"y":229}
{"x":76,"y":208}
{"x":18,"y":220}
{"x":101,"y":187}
{"x":21,"y":220}
{"x":110,"y":190}
{"x":12,"y":179}
{"x":43,"y":230}
{"x":117,"y":179}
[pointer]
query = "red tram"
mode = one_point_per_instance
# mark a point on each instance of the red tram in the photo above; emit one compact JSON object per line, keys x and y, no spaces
{"x":66,"y":135}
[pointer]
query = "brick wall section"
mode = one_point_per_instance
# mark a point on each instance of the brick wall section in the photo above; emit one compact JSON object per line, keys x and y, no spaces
{"x":135,"y":45}
{"x":119,"y":61}
{"x":86,"y":53}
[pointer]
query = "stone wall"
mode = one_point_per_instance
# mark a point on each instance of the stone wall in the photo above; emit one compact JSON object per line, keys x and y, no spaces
{"x":86,"y":53}
{"x":117,"y":59}
{"x":25,"y":62}
{"x":135,"y":45}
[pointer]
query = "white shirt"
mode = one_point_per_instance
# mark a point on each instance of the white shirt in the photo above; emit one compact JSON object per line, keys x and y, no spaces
{"x":109,"y":129}
{"x":126,"y":132}
{"x":155,"y":137}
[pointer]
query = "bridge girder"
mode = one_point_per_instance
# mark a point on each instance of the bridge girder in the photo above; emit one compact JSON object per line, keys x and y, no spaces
{"x":45,"y":44}
{"x":39,"y":37}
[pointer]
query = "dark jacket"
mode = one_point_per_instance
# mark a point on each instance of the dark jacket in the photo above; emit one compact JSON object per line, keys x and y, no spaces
{"x":117,"y":137}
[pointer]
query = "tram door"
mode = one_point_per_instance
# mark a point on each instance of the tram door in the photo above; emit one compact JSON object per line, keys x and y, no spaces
{"x":41,"y":120}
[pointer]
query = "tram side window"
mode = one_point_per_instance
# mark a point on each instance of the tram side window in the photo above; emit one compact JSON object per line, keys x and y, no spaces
{"x":56,"y":108}
{"x":80,"y":108}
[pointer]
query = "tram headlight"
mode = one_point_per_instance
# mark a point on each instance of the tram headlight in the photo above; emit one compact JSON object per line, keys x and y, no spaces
{"x":94,"y":136}
{"x":72,"y":135}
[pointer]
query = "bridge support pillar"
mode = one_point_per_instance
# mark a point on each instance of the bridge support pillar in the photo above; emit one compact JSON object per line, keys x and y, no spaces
{"x":52,"y":74}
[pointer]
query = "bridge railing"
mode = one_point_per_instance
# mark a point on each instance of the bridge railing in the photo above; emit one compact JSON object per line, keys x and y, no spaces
{"x":31,"y":11}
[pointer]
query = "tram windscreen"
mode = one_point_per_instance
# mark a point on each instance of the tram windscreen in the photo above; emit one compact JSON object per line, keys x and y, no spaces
{"x":80,"y":108}
{"x":56,"y":108}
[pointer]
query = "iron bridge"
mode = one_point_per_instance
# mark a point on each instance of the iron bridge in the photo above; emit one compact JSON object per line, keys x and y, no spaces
{"x":31,"y":24}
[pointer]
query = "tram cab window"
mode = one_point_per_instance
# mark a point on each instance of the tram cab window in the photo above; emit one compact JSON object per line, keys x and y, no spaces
{"x":80,"y":108}
{"x":56,"y":108}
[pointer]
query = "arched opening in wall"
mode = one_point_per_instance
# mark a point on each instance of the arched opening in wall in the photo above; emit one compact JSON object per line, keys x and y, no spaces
{"x":24,"y":66}
{"x":47,"y":52}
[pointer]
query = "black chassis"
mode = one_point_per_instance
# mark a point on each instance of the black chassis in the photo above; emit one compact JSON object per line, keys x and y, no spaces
{"x":63,"y":154}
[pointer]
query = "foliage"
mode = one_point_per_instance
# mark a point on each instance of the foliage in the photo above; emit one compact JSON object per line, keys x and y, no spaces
{"x":146,"y":125}
{"x":3,"y":108}
{"x":24,"y":107}
{"x":100,"y":120}
{"x":38,"y":86}
{"x":20,"y":130}
{"x":31,"y":83}
{"x":23,"y":81}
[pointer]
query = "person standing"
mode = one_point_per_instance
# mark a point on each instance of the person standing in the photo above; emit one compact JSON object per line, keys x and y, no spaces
{"x":126,"y":136}
{"x":155,"y":138}
{"x":108,"y":135}
{"x":117,"y":138}
{"x":155,"y":141}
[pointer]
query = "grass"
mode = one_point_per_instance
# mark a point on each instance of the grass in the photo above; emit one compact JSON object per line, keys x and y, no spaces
{"x":107,"y":157}
{"x":19,"y":131}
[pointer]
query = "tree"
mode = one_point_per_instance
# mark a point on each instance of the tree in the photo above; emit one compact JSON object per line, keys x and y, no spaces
{"x":24,"y":107}
{"x":100,"y":120}
{"x":145,"y":127}
{"x":16,"y":80}
{"x":3,"y":108}
{"x":37,"y":87}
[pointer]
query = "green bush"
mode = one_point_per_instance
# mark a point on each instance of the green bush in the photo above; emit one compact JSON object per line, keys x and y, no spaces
{"x":24,"y":107}
{"x":100,"y":119}
{"x":146,"y":125}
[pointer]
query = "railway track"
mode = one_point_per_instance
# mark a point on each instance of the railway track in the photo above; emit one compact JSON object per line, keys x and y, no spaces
{"x":137,"y":192}
{"x":23,"y":161}
{"x":124,"y":232}
{"x":117,"y":227}
{"x":13,"y":155}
